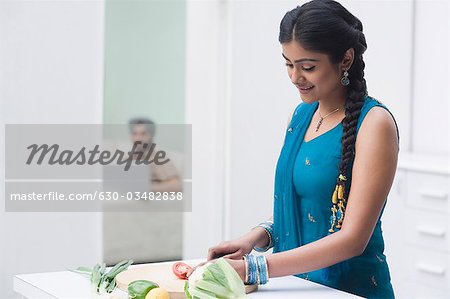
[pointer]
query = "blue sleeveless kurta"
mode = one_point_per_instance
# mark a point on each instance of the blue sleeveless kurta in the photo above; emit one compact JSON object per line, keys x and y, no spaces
{"x":304,"y":183}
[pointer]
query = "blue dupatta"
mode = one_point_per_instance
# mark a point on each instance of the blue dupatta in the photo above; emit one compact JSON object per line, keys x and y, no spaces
{"x":286,"y":215}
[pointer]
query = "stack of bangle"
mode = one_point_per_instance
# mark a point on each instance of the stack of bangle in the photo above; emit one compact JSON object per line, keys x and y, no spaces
{"x":256,"y":271}
{"x":268,"y":228}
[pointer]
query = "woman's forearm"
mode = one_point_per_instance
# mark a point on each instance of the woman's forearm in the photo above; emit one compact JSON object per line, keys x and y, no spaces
{"x":322,"y":253}
{"x":261,"y":239}
{"x":258,"y":236}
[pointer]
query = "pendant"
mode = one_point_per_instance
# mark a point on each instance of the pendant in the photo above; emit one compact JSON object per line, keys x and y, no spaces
{"x":307,"y":161}
{"x":332,"y":219}
{"x":318,"y":124}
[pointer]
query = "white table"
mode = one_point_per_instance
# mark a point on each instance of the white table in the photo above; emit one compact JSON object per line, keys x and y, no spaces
{"x":69,"y":285}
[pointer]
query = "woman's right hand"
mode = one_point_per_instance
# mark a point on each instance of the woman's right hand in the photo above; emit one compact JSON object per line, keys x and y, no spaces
{"x":235,"y":249}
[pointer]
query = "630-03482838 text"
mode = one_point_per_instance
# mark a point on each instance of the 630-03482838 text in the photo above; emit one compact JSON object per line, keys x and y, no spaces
{"x":98,"y":195}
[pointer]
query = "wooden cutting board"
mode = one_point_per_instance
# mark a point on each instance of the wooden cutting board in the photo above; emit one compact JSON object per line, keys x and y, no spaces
{"x":160,"y":273}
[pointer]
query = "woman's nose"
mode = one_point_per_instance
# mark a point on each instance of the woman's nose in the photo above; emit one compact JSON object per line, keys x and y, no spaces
{"x":296,"y":76}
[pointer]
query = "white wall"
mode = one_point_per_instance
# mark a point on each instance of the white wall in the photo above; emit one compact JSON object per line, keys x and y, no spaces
{"x":262,"y":98}
{"x":206,"y":110}
{"x":51,"y":71}
{"x":431,"y":96}
{"x":388,"y":27}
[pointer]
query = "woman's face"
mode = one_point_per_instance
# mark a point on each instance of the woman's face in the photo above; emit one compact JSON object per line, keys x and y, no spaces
{"x":311,"y":69}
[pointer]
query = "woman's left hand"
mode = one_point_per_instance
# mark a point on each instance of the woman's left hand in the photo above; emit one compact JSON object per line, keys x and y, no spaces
{"x":239,"y":266}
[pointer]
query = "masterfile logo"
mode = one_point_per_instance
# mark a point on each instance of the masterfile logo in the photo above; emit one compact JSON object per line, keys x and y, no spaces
{"x":83,"y":168}
{"x":94,"y":156}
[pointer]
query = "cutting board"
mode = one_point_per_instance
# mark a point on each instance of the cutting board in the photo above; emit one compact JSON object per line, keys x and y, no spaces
{"x":160,"y":273}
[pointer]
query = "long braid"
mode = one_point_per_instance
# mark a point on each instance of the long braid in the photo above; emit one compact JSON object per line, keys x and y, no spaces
{"x":356,"y":94}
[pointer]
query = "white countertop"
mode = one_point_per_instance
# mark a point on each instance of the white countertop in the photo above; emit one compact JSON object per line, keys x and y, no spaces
{"x":69,"y":285}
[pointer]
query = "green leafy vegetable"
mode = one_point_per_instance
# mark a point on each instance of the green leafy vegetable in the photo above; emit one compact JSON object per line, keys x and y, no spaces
{"x":83,"y":270}
{"x":103,"y":281}
{"x":186,"y":290}
{"x":215,"y":280}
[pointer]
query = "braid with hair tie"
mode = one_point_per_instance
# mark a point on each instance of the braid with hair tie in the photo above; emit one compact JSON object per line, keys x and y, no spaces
{"x":356,"y":94}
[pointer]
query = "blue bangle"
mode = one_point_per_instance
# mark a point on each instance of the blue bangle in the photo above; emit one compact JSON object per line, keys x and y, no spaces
{"x":268,"y":228}
{"x":262,"y":269}
{"x":252,"y":270}
{"x":256,"y":269}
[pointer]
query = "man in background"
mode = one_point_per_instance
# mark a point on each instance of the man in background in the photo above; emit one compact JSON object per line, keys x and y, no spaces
{"x":132,"y":235}
{"x":164,"y":177}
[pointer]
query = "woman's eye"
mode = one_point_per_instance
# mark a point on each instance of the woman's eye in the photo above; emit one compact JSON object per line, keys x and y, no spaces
{"x":309,"y":69}
{"x":289,"y":65}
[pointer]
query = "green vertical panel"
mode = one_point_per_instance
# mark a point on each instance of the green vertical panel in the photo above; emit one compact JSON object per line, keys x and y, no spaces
{"x":144,"y":77}
{"x":144,"y":60}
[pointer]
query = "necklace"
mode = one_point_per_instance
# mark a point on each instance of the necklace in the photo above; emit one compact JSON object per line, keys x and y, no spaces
{"x":323,"y":117}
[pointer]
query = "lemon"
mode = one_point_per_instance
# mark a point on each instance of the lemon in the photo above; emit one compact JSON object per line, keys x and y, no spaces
{"x":157,"y":293}
{"x":138,"y":289}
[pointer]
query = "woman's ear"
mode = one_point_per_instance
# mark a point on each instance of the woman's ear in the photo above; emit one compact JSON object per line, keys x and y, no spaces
{"x":347,"y":61}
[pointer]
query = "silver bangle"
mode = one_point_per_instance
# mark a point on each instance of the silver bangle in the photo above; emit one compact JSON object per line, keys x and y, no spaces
{"x":268,"y":228}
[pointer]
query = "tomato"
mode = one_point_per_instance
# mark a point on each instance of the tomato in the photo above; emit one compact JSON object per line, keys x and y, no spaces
{"x":181,"y":269}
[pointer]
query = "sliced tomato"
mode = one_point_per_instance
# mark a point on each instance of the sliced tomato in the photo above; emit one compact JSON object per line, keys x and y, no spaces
{"x":181,"y":270}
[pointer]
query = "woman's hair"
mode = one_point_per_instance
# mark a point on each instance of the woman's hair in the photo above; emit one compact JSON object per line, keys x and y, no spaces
{"x":325,"y":26}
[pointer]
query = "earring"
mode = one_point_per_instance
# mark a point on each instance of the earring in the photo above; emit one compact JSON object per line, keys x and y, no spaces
{"x":344,"y":80}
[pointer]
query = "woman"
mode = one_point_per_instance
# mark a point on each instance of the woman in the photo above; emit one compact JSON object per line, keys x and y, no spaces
{"x":335,"y":169}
